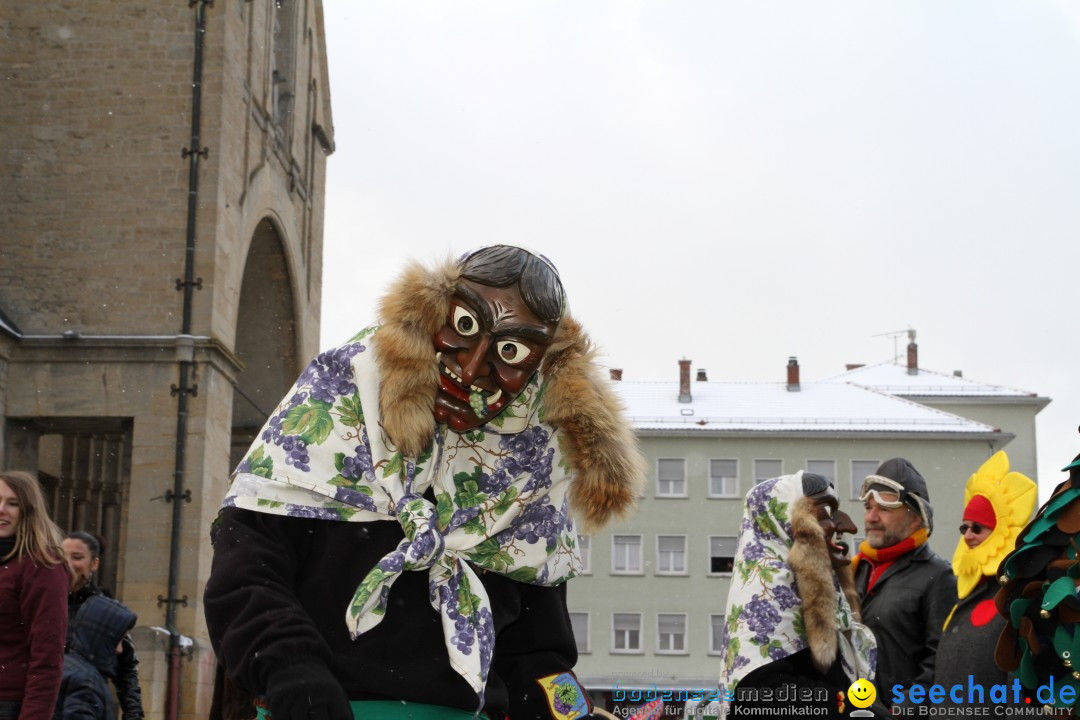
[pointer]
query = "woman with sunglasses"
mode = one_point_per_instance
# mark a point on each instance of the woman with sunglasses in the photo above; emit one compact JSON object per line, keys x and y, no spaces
{"x":997,"y":505}
{"x":33,"y":601}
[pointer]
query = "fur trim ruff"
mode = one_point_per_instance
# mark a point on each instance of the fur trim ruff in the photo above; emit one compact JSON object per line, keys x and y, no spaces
{"x":812,"y":566}
{"x":600,"y":445}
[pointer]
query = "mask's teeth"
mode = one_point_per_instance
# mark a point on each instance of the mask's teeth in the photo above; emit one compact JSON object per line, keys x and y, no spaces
{"x":476,"y":397}
{"x":450,"y":372}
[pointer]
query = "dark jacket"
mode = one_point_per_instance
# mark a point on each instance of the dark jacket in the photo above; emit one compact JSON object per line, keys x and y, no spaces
{"x":275,"y":608}
{"x":906,"y":610}
{"x":126,"y":677}
{"x":775,"y":689}
{"x":967,"y":645}
{"x":98,"y":628}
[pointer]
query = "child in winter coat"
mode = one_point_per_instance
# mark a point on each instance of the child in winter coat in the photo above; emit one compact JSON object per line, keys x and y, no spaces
{"x":99,"y":626}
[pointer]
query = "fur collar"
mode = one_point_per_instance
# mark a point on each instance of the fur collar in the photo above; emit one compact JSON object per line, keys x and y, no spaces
{"x":599,"y":444}
{"x":812,"y":567}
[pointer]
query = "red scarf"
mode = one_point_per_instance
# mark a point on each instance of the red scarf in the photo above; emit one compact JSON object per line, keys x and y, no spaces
{"x":881,"y":558}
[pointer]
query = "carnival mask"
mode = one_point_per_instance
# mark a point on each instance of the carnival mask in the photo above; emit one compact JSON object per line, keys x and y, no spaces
{"x":833,"y":521}
{"x":488,"y":350}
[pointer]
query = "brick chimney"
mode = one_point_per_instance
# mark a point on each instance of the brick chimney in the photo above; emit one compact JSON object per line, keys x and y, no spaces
{"x":701,"y":376}
{"x":684,"y":381}
{"x":616,"y":374}
{"x":912,"y":358}
{"x":793,"y":374}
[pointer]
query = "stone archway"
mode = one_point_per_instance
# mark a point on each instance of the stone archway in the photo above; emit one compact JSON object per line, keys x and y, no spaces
{"x":266,"y":337}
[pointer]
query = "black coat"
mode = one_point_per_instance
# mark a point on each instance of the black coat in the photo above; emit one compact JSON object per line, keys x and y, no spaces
{"x":126,"y":673}
{"x":83,"y":692}
{"x":97,"y":629}
{"x":906,"y":610}
{"x":275,"y":608}
{"x":774,"y":689}
{"x":968,"y":649}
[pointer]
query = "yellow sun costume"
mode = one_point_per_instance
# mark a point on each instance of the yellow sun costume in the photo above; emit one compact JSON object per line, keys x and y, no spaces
{"x":1013,"y":497}
{"x":1000,"y":502}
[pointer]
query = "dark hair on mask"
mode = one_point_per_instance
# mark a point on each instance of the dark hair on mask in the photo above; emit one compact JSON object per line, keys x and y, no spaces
{"x":503,"y":265}
{"x":812,"y":484}
{"x":90,"y":541}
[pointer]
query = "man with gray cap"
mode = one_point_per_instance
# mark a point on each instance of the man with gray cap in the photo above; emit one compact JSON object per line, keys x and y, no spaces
{"x":906,"y":589}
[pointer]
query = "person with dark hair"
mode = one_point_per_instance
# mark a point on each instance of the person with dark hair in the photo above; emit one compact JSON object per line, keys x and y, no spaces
{"x":792,"y":616}
{"x":505,"y":265}
{"x":396,"y":541}
{"x":97,"y":630}
{"x":83,"y":552}
{"x":33,"y":601}
{"x":907,"y":591}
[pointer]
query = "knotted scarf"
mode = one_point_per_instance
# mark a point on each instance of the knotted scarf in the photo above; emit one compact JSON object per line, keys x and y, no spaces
{"x":764,"y":617}
{"x":499,"y":496}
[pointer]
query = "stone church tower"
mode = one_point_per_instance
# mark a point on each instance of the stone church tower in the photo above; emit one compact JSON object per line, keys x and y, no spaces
{"x":161,"y":215}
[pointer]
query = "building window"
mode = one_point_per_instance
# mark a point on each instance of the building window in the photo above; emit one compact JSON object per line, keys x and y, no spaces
{"x":671,"y":633}
{"x":283,"y":74}
{"x":824,"y":468}
{"x":723,"y":478}
{"x":767,"y":470}
{"x":671,"y":555}
{"x":84,"y":469}
{"x":716,"y":634}
{"x":579,"y":621}
{"x":859,"y":470}
{"x":626,"y":632}
{"x":584,"y":544}
{"x":721,"y":554}
{"x":626,"y":554}
{"x":671,"y":477}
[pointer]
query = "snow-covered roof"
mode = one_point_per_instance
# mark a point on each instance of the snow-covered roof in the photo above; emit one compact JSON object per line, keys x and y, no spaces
{"x":892,"y":378}
{"x":771,"y":407}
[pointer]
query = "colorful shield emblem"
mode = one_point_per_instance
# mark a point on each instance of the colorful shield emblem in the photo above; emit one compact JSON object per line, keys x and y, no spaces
{"x":565,"y":696}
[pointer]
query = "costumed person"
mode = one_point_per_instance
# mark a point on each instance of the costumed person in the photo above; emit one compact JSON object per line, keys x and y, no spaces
{"x":83,"y":552}
{"x":997,"y":505}
{"x":906,"y":590}
{"x":33,"y":601}
{"x":792,"y":612}
{"x":398,"y":536}
{"x":1040,"y":645}
{"x":97,"y":631}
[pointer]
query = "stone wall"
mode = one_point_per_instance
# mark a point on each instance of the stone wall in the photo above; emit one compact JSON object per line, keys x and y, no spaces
{"x":94,"y":204}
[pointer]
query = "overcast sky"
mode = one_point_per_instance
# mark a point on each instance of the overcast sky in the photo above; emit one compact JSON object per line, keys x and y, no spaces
{"x":730,"y":182}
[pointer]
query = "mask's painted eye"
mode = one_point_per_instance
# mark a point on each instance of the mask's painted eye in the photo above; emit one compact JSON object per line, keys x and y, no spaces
{"x":464,"y":322}
{"x":512,"y":353}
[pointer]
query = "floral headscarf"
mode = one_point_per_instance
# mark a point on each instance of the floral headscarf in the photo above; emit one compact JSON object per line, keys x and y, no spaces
{"x":500,"y":495}
{"x":764,"y":618}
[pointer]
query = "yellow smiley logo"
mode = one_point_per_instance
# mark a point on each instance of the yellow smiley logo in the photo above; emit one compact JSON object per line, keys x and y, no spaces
{"x":861,"y":693}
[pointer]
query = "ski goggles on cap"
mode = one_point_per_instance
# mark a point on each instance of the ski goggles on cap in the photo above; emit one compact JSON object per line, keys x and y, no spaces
{"x":886,"y":493}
